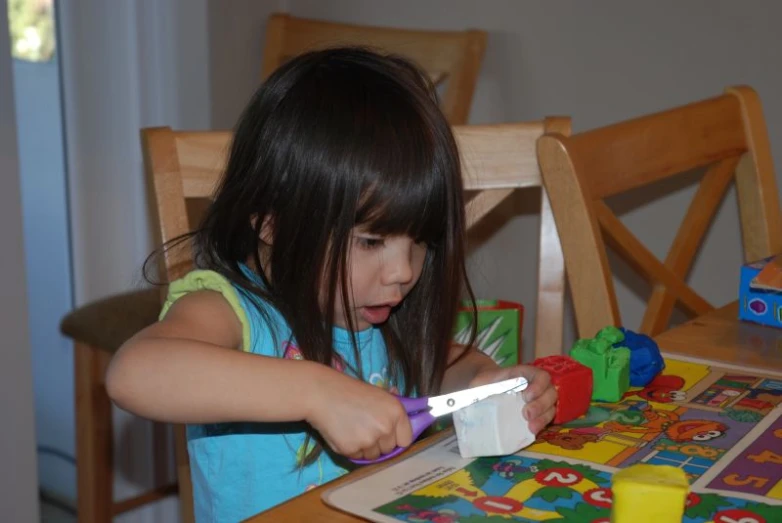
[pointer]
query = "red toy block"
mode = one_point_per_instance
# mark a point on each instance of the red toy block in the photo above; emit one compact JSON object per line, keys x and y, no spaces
{"x":573,"y":382}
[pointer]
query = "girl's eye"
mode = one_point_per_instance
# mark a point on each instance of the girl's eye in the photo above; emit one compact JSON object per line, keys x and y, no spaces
{"x":369,"y":243}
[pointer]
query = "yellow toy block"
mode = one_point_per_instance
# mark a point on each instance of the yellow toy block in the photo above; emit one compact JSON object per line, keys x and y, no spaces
{"x":649,"y":494}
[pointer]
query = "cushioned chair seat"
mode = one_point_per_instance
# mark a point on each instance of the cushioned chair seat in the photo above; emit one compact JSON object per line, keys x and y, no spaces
{"x":106,"y":324}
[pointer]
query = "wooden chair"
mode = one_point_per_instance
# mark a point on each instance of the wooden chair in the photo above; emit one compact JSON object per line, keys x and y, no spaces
{"x":726,"y":135}
{"x":98,"y":330}
{"x":448,"y":56}
{"x":498,"y":159}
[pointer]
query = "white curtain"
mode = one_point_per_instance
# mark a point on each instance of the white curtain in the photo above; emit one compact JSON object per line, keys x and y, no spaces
{"x":125,"y":65}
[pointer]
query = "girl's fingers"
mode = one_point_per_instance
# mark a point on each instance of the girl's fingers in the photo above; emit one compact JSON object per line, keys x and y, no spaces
{"x":539,"y":381}
{"x":550,"y":397}
{"x":371,"y":453}
{"x":386,"y":444}
{"x":404,"y":433}
{"x":545,"y":402}
{"x":355,"y":456}
{"x":541,"y":421}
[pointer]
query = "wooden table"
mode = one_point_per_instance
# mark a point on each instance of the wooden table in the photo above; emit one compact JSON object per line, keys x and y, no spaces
{"x":717,"y":336}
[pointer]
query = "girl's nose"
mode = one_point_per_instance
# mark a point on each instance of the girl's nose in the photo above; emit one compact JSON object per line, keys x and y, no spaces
{"x":399,"y":266}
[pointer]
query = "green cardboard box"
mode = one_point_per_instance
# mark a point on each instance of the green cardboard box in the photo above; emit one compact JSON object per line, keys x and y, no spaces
{"x":499,"y":329}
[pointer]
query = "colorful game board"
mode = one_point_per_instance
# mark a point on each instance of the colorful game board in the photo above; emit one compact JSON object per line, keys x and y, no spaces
{"x":722,"y":426}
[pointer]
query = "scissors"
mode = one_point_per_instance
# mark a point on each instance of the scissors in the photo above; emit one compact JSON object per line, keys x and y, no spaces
{"x":425,"y":411}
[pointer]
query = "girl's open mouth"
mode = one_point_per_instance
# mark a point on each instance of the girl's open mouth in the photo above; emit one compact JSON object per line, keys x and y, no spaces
{"x":376,"y":314}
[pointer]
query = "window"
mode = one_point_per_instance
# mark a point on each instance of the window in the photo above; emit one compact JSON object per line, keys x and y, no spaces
{"x":31,"y":25}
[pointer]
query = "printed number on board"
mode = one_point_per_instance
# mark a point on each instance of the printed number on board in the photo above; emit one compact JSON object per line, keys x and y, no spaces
{"x":558,"y":477}
{"x":737,"y":516}
{"x":498,"y":505}
{"x":766,"y":457}
{"x":737,"y":480}
{"x":599,"y":497}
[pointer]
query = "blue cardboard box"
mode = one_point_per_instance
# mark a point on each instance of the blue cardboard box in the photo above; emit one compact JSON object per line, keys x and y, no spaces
{"x":756,"y":305}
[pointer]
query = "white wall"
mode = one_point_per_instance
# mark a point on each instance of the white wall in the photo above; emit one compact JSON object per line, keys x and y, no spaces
{"x":18,"y":478}
{"x":600,"y":62}
{"x":236,"y":37}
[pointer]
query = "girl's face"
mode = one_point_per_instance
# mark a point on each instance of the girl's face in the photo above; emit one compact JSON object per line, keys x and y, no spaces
{"x":383,"y":270}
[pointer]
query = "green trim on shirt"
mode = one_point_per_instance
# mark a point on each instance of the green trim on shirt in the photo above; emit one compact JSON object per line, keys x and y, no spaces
{"x":205,"y":280}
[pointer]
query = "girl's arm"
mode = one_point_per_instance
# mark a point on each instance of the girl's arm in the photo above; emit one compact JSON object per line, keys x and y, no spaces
{"x":188,"y":368}
{"x":464,"y":363}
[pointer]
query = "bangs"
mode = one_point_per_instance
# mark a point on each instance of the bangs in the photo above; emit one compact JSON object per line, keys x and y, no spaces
{"x":406,"y":191}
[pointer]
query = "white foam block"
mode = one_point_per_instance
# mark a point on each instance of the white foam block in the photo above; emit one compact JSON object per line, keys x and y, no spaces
{"x":493,"y":427}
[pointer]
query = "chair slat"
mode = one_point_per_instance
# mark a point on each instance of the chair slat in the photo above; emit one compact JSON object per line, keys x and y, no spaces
{"x":637,"y":254}
{"x":499,"y":156}
{"x":700,"y":213}
{"x":640,"y":151}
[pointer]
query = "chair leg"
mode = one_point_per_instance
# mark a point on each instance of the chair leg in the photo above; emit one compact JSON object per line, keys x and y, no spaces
{"x":161,"y":452}
{"x":94,"y":436}
{"x":186,"y":509}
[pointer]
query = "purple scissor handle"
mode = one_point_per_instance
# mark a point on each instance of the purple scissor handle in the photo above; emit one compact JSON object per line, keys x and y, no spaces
{"x":420,"y":419}
{"x":425,"y":411}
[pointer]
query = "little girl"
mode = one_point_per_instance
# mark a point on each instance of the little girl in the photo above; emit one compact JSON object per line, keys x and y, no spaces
{"x":329,"y":271}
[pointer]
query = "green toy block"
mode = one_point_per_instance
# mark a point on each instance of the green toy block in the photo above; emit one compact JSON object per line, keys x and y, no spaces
{"x":611,"y":334}
{"x":610,"y":366}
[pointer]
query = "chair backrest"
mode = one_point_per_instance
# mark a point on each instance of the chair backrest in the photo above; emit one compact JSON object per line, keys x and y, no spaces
{"x":497,"y":159}
{"x":448,"y":56}
{"x":725,"y":135}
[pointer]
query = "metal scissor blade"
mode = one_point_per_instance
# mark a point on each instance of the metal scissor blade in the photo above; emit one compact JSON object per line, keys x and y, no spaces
{"x":447,"y":403}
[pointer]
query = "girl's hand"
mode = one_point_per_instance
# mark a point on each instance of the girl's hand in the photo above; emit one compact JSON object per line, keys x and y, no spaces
{"x":356,"y":419}
{"x":540,"y":394}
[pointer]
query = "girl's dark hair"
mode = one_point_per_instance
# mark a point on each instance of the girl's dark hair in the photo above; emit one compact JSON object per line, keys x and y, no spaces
{"x":333,"y":139}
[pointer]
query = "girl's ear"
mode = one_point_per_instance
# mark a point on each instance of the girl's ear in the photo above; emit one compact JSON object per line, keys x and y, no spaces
{"x":267,"y":228}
